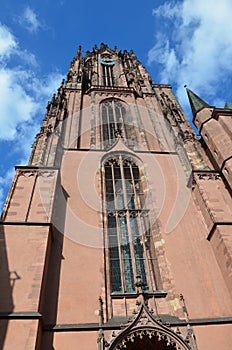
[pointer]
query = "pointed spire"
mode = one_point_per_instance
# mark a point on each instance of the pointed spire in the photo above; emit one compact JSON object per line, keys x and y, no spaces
{"x":78,"y":54}
{"x":196,"y":102}
{"x":228,"y":105}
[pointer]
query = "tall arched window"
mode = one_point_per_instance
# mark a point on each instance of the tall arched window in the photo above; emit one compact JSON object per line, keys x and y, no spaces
{"x":116,"y":121}
{"x":107,"y":75}
{"x":127,"y":221}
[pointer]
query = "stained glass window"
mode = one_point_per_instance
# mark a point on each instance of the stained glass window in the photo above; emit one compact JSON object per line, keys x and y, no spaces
{"x":127,"y":224}
{"x":116,"y":121}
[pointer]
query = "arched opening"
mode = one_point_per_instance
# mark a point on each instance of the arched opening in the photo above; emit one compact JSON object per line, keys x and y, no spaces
{"x":150,"y":339}
{"x":149,"y":343}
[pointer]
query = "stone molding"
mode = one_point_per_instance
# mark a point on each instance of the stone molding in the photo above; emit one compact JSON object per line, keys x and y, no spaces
{"x":143,"y":325}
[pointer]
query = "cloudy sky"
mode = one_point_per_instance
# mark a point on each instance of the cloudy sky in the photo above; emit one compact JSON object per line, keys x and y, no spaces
{"x":180,"y":42}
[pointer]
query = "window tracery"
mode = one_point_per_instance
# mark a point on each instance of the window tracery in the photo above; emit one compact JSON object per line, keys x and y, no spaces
{"x":116,"y":122}
{"x":128,"y":227}
{"x":107,"y":64}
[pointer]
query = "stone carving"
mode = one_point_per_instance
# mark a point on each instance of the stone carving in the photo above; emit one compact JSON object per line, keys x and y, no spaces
{"x":188,"y":136}
{"x":47,"y":130}
{"x":34,"y":172}
{"x":145,"y":325}
{"x":208,"y":176}
{"x":171,"y":110}
{"x":45,"y":173}
{"x":27,"y":173}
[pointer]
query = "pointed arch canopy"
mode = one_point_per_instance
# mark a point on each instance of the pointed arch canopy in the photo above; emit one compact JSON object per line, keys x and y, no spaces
{"x":145,"y":332}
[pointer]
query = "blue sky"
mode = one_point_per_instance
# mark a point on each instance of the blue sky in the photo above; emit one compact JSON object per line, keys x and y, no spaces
{"x":179,"y":42}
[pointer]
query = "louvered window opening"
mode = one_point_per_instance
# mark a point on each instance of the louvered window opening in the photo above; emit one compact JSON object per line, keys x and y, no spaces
{"x":107,"y":75}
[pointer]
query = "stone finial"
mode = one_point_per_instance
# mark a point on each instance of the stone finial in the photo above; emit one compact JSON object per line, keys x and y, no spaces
{"x":78,"y":51}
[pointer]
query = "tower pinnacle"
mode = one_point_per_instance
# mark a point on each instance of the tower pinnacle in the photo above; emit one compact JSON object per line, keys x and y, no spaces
{"x":195,"y":101}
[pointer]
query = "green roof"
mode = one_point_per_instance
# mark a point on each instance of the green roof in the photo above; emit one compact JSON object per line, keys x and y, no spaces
{"x":195,"y":101}
{"x":228,"y":105}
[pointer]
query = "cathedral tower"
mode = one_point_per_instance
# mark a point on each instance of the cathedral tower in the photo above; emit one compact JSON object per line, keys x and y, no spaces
{"x":117,"y":234}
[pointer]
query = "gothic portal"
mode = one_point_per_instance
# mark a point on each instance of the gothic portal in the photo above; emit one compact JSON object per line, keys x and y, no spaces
{"x":117,"y":234}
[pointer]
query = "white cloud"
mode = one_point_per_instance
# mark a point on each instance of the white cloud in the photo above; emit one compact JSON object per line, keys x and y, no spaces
{"x":197,"y":49}
{"x":23,"y":96}
{"x":16,"y":105}
{"x":168,"y":10}
{"x":45,"y":86}
{"x":9,"y":47}
{"x":23,"y":93}
{"x":27,"y":57}
{"x":7,"y":42}
{"x":165,"y":55}
{"x":29,"y":20}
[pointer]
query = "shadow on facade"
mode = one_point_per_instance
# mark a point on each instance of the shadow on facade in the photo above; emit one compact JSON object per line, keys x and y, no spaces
{"x":7,"y":281}
{"x":51,"y":291}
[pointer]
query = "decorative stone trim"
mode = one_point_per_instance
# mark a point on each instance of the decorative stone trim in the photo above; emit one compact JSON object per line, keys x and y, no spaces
{"x":208,"y":176}
{"x":110,"y":89}
{"x":146,"y":325}
{"x":27,"y":173}
{"x":34,"y":172}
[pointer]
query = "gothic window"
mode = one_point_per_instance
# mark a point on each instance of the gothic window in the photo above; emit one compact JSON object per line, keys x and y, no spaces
{"x":115,"y":121}
{"x":107,"y":75}
{"x":87,"y":74}
{"x":127,"y":221}
{"x":107,"y":71}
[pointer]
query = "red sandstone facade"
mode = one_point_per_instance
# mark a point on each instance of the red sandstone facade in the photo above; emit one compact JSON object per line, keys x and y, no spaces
{"x":118,"y":233}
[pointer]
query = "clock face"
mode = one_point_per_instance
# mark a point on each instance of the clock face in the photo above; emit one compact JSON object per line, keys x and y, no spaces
{"x":107,"y":61}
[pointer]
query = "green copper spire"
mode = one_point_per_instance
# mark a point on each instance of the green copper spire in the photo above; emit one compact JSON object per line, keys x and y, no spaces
{"x":196,"y":102}
{"x":228,"y":105}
